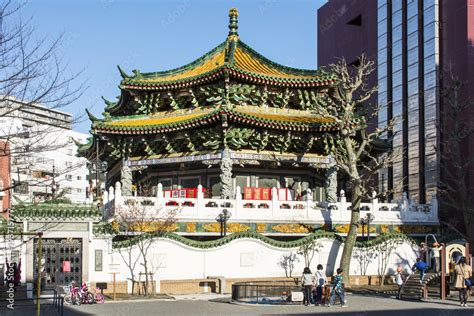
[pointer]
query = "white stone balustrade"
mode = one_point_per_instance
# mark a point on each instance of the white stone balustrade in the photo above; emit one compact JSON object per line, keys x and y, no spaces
{"x":273,"y":210}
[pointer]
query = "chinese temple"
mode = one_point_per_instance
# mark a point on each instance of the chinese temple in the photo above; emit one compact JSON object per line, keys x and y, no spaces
{"x":230,"y":118}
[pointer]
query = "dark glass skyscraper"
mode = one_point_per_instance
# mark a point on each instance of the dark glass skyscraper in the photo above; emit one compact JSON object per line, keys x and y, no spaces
{"x":410,"y":42}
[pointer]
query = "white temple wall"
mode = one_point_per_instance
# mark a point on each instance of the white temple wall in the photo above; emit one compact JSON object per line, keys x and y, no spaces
{"x":242,"y":258}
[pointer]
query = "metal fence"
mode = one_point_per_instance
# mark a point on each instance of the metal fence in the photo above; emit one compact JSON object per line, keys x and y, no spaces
{"x":265,"y":292}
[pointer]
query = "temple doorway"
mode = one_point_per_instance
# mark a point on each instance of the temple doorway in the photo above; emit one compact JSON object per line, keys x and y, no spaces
{"x":61,"y":261}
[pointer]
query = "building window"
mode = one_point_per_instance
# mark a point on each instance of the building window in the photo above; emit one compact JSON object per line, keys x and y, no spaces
{"x":68,"y":177}
{"x":20,"y":187}
{"x":357,"y":21}
{"x":79,"y":178}
{"x":78,"y":190}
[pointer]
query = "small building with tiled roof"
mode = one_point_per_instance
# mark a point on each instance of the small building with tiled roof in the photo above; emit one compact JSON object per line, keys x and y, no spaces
{"x":230,"y":118}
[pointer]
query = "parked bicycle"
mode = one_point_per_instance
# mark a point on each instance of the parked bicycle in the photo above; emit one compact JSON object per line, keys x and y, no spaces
{"x":77,"y":296}
{"x":86,"y":296}
{"x":72,"y":294}
{"x":98,"y":296}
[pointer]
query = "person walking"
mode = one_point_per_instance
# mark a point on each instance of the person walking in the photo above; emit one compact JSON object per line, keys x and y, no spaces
{"x":338,"y":289}
{"x":423,"y":249}
{"x":321,"y":281}
{"x":463,"y":280}
{"x":399,"y":282}
{"x":307,"y":282}
{"x":435,"y":257}
{"x":421,"y":266}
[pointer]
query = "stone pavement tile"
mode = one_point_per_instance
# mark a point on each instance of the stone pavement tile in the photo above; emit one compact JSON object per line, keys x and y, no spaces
{"x":359,"y":305}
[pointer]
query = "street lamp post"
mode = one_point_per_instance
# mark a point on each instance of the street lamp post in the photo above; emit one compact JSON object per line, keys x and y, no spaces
{"x":222,"y":219}
{"x":366,"y":221}
{"x":369,"y":218}
{"x":363,"y":223}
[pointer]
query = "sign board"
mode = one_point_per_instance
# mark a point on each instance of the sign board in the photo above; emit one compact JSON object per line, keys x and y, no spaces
{"x":296,"y":296}
{"x":246,"y":259}
{"x":114,"y":268}
{"x":66,"y":266}
{"x":98,"y":259}
{"x":101,"y":285}
{"x":450,"y":249}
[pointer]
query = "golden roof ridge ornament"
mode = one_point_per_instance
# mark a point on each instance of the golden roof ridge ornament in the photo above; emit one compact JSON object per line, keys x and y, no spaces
{"x":233,"y":24}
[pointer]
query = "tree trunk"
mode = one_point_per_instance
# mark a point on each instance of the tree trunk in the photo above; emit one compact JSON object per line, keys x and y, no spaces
{"x":351,"y":235}
{"x":145,"y":266}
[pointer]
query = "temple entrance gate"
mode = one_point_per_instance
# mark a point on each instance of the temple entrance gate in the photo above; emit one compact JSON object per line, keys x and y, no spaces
{"x":55,"y":252}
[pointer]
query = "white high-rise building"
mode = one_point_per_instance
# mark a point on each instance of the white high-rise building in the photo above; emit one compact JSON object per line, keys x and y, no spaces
{"x":44,"y":163}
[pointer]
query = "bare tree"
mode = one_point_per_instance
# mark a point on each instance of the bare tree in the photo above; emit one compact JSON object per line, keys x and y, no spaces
{"x":308,"y":250}
{"x":32,"y":74}
{"x":456,"y":161}
{"x":352,"y":146}
{"x":140,"y":224}
{"x":384,"y":252}
{"x":287,"y":263}
{"x":364,"y":256}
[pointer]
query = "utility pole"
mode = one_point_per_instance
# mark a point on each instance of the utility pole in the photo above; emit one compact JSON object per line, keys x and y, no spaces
{"x":53,"y":183}
{"x":38,"y":281}
{"x":97,"y":189}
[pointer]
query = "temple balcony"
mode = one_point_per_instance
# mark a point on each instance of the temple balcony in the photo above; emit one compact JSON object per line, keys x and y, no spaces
{"x":202,"y":209}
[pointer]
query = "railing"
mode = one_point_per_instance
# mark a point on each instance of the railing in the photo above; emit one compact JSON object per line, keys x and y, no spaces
{"x":265,"y":292}
{"x":308,"y":211}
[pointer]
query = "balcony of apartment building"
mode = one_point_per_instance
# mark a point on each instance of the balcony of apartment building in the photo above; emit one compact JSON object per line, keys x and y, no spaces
{"x":268,"y":205}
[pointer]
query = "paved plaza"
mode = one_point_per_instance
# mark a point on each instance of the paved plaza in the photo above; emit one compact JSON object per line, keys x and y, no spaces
{"x":359,"y":305}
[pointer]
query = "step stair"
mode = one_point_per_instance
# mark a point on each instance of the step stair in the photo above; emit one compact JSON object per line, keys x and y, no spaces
{"x":413,"y":289}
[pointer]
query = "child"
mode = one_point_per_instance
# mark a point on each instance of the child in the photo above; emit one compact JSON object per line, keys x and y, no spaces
{"x":338,"y":289}
{"x":399,"y":282}
{"x":421,"y":266}
{"x":435,"y":256}
{"x":321,"y":281}
{"x":307,"y":283}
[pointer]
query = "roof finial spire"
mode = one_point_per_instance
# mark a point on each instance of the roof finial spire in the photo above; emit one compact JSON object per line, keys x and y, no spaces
{"x":233,"y":23}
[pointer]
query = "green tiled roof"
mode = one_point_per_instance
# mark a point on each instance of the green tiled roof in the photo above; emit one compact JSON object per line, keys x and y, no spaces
{"x":55,"y":212}
{"x":164,"y":122}
{"x":233,"y":58}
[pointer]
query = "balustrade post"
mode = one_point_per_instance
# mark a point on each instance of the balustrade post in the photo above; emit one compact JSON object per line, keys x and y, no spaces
{"x":159,"y":195}
{"x":238,"y":201}
{"x":309,"y":202}
{"x":118,"y":195}
{"x":375,"y":204}
{"x":200,"y":201}
{"x":342,"y":205}
{"x":406,"y":201}
{"x":105,"y":198}
{"x":112,"y":205}
{"x":275,"y":205}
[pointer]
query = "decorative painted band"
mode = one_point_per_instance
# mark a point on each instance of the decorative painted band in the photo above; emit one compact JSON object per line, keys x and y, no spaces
{"x":288,"y":229}
{"x":272,"y":242}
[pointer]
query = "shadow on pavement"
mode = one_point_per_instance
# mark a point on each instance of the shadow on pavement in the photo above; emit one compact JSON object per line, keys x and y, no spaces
{"x":221,"y":300}
{"x":415,"y":312}
{"x":45,"y":310}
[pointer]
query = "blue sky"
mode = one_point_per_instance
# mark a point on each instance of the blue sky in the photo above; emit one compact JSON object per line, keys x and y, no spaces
{"x":159,"y":35}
